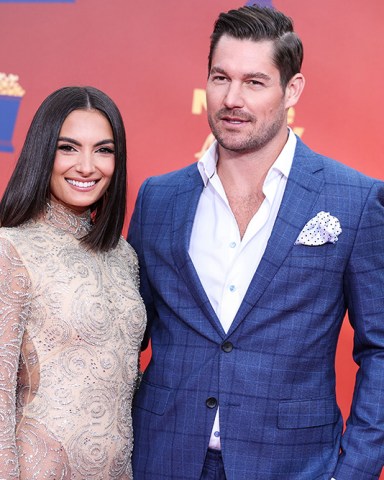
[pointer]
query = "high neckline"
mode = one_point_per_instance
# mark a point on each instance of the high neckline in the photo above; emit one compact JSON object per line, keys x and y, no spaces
{"x":65,"y":219}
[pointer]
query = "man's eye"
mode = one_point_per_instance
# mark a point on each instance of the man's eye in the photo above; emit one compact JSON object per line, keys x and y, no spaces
{"x":219,"y":78}
{"x":255,"y":82}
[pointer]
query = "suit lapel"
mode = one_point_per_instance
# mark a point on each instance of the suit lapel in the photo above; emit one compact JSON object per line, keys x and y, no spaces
{"x":303,"y":186}
{"x":186,"y":201}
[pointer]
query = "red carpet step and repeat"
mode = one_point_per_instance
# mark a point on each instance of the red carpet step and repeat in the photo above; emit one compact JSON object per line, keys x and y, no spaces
{"x":151,"y":58}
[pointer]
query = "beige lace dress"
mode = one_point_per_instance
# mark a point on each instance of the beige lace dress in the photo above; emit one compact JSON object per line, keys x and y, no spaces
{"x":71,"y":324}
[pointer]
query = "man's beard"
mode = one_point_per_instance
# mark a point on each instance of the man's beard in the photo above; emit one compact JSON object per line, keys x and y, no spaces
{"x":255,"y":140}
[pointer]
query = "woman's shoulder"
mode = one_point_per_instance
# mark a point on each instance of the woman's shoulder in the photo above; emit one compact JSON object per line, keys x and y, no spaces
{"x":124,"y":248}
{"x":124,"y":253}
{"x":20,"y":234}
{"x":127,"y":257}
{"x":7,"y":241}
{"x":9,"y":234}
{"x":10,"y":256}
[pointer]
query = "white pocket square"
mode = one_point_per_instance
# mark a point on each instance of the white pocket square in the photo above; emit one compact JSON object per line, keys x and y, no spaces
{"x":324,"y":228}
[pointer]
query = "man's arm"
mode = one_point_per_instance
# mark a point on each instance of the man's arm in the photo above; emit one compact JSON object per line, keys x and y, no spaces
{"x":135,"y":240}
{"x":362,"y":445}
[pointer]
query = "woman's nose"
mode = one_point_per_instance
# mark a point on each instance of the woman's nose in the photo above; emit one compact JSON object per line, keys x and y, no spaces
{"x":85,"y":164}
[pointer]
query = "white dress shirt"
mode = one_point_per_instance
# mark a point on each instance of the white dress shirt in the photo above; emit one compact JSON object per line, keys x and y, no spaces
{"x":224,"y":262}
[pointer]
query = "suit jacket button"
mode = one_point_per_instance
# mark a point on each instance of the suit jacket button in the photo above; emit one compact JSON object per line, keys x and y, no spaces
{"x":227,"y":347}
{"x":211,"y":402}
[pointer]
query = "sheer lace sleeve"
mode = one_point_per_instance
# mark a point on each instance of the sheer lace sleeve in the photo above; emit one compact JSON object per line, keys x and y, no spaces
{"x":14,"y":304}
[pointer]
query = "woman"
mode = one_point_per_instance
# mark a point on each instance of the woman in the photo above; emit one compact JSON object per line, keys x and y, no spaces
{"x":71,"y":318}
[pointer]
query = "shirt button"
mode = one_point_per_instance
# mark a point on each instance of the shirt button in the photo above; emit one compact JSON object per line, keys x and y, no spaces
{"x":232,"y":244}
{"x":211,"y":402}
{"x":232,"y":288}
{"x":227,"y":347}
{"x":217,"y":434}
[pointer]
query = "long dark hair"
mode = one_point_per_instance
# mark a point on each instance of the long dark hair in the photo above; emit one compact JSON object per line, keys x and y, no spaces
{"x":28,"y":189}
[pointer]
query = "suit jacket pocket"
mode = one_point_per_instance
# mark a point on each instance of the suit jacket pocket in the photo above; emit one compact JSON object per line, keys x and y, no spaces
{"x":153,"y":398}
{"x":308,"y":413}
{"x":315,"y":251}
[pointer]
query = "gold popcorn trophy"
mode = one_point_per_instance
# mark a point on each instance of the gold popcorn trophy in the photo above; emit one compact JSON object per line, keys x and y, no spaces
{"x":11,"y":94}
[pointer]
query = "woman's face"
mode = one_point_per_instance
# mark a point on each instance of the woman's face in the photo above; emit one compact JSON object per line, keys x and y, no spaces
{"x":84,"y":161}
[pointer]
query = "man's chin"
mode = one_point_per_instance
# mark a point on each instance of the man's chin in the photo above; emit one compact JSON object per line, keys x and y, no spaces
{"x":238,"y":146}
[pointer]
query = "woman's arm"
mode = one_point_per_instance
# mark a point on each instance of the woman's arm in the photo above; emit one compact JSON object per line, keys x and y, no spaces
{"x":14,"y":307}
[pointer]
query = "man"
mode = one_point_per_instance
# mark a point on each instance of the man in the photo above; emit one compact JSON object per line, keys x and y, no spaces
{"x":249,"y":262}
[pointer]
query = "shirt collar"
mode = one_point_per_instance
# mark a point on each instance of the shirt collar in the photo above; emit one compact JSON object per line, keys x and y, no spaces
{"x":282,"y":165}
{"x":207,"y":163}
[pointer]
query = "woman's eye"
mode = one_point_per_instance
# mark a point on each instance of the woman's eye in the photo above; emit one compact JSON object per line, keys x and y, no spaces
{"x":66,"y":148}
{"x":107,"y":150}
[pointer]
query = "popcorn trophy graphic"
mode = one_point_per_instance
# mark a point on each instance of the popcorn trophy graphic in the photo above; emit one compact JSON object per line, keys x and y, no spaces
{"x":11,"y":94}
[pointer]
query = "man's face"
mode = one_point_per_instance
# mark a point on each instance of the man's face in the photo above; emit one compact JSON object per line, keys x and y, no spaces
{"x":246,"y":104}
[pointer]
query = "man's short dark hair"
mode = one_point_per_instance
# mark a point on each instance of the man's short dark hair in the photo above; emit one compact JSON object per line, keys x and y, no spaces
{"x":259,"y":24}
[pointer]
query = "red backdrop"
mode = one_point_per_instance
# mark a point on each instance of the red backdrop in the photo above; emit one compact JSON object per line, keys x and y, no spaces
{"x":151,"y":56}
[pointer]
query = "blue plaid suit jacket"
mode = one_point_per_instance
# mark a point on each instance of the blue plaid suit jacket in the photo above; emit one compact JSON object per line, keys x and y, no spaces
{"x":273,"y":372}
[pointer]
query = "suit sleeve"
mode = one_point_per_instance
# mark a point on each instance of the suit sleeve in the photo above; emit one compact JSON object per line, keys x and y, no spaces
{"x":135,"y":238}
{"x":362,"y":454}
